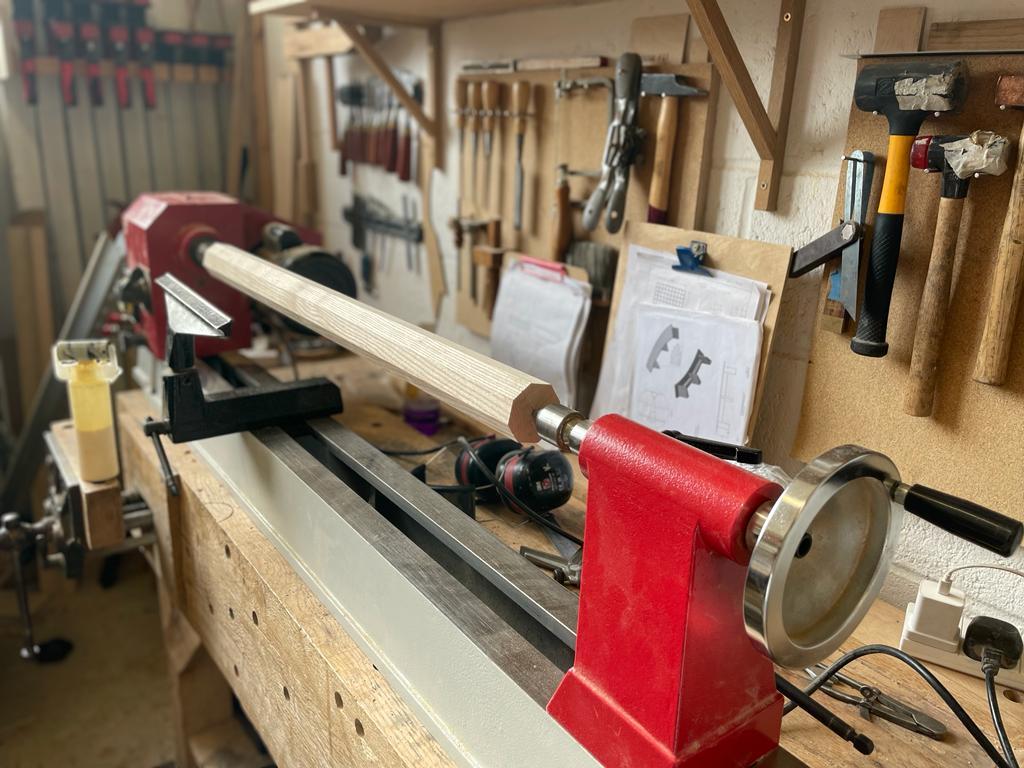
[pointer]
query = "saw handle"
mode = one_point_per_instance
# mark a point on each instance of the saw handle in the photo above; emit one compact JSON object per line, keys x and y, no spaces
{"x":664,"y":146}
{"x":1004,"y":297}
{"x":934,"y":308}
{"x":969,"y":521}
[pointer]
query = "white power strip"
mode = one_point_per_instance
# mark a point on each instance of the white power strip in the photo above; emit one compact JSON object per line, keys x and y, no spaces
{"x":1010,"y":678}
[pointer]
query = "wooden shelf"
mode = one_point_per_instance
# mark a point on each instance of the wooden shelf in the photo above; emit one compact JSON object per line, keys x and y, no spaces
{"x":403,"y":12}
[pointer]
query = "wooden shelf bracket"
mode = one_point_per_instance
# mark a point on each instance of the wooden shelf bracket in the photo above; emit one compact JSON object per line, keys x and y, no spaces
{"x":769,"y":127}
{"x":383,"y":71}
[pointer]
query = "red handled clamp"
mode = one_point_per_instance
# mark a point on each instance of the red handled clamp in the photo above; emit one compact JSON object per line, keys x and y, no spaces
{"x":144,"y":40}
{"x":90,"y":45}
{"x":61,"y":35}
{"x":118,"y":40}
{"x":25,"y":29}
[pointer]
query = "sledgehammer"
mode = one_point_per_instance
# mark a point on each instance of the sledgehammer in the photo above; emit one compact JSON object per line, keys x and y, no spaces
{"x":959,"y":158}
{"x":905,"y":93}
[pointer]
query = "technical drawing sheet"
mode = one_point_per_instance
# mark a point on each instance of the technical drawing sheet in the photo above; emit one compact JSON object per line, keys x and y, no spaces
{"x":695,"y":372}
{"x":539,"y":319}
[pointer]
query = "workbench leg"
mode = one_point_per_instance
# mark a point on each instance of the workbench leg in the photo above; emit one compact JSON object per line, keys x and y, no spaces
{"x":200,"y":696}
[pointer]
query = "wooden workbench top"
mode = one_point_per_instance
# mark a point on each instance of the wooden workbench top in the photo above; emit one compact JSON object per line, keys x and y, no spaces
{"x":325,"y":658}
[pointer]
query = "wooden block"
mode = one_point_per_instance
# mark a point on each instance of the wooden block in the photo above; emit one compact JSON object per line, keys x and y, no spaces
{"x":987,"y":35}
{"x":102,"y":514}
{"x":488,"y":256}
{"x":899,"y":29}
{"x":313,"y":42}
{"x":660,"y":39}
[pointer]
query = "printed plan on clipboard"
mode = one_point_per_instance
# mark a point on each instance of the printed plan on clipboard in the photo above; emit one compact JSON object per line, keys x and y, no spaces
{"x":685,"y":349}
{"x":540,"y":315}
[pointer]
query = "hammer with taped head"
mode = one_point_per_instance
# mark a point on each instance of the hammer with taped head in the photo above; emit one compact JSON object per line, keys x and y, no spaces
{"x":1004,"y":297}
{"x":959,"y":159}
{"x":905,"y":93}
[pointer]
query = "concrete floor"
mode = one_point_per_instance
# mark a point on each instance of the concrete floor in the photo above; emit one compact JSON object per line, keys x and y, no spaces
{"x":106,"y":705}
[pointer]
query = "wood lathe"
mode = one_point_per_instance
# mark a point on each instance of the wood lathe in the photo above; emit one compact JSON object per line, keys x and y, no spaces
{"x":697,"y":575}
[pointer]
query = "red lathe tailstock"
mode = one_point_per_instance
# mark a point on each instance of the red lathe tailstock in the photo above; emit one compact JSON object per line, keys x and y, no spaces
{"x":665,"y":674}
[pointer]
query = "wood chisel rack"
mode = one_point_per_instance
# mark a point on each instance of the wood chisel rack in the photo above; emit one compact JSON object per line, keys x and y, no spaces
{"x":570,"y":129}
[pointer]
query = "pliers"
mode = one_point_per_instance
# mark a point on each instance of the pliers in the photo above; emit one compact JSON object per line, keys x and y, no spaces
{"x":871,"y":701}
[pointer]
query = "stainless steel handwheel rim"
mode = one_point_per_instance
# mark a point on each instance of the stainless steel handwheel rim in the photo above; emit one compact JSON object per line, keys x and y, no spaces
{"x":821,"y":556}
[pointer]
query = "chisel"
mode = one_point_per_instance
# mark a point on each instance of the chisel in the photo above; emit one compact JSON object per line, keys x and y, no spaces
{"x":491,"y":100}
{"x":520,"y":105}
{"x":475,"y":106}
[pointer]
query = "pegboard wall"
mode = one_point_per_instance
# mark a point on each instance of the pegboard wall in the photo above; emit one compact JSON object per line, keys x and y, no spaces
{"x":969,"y":445}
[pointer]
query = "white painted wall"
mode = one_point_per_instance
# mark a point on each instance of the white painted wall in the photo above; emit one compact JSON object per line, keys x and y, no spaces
{"x":818,"y":121}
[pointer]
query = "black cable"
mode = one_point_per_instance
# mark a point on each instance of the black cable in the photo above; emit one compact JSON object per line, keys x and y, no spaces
{"x":950,"y":701}
{"x":435,"y":449}
{"x":997,"y":717}
{"x":825,"y":716}
{"x":511,"y":500}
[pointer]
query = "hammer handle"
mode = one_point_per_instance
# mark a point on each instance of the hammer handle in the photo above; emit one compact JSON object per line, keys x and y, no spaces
{"x":1004,"y":298}
{"x":664,"y":145}
{"x":496,"y":394}
{"x":885,"y":252}
{"x":934,"y":307}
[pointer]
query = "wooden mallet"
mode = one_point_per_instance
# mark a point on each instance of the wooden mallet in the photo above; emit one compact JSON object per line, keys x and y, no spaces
{"x":1004,"y":298}
{"x":959,"y":159}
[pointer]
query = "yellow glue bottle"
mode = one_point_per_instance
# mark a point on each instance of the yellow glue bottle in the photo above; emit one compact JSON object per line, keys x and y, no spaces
{"x":89,"y":367}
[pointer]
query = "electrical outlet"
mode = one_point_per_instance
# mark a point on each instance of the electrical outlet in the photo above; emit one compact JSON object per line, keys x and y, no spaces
{"x":933,"y":629}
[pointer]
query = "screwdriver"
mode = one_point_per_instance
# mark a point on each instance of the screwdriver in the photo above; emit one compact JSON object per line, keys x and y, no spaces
{"x":520,"y":104}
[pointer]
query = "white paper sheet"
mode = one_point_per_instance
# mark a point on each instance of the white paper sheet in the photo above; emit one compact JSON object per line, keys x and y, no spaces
{"x":538,"y":324}
{"x":695,"y":372}
{"x":650,"y":280}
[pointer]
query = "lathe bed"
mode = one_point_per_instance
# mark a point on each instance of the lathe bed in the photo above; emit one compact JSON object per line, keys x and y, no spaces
{"x":238,"y":619}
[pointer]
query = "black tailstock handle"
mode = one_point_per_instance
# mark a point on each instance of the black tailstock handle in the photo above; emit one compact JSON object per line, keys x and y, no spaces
{"x":982,"y":526}
{"x":881,"y":275}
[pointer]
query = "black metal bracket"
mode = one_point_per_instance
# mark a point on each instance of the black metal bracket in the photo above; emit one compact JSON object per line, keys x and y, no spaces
{"x":825,"y":248}
{"x":190,"y":414}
